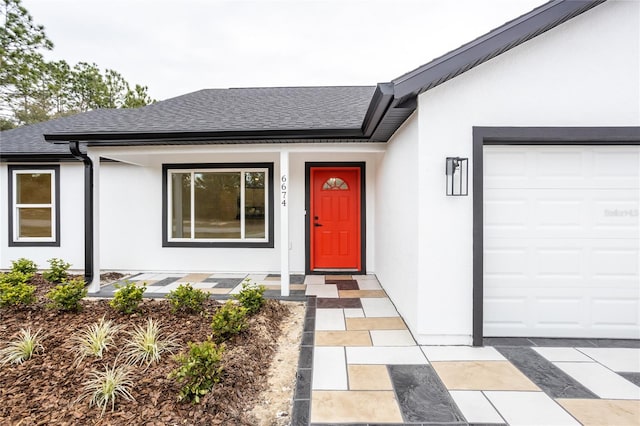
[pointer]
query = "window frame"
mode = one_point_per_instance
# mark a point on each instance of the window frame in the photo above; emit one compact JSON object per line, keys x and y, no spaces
{"x":168,"y":169}
{"x":14,"y":239}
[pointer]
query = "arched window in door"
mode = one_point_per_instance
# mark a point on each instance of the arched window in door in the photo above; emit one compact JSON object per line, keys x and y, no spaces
{"x":335,"y":184}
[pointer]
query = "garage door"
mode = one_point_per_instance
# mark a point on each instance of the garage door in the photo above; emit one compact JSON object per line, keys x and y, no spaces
{"x":562,"y":241}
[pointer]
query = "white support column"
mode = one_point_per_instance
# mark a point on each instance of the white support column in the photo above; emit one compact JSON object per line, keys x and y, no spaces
{"x":283,"y":191}
{"x":94,"y":286}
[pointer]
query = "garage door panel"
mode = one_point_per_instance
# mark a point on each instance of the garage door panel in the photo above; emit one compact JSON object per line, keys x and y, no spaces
{"x":562,"y":242}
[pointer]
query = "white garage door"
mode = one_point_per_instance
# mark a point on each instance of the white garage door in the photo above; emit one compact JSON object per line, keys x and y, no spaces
{"x":562,"y":241}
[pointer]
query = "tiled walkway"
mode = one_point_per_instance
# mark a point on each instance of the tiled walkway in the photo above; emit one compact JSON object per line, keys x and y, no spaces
{"x":218,"y":285}
{"x":360,"y":365}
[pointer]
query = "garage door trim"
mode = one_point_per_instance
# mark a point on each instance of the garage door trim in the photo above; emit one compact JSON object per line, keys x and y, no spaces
{"x":482,"y":136}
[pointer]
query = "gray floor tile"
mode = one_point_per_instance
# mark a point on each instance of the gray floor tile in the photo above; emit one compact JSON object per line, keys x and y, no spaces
{"x":632,"y":377}
{"x":507,"y":341}
{"x":565,"y":343}
{"x":224,"y":282}
{"x":307,"y":338}
{"x":555,"y":382}
{"x":303,"y":384}
{"x":306,"y":357}
{"x":300,"y":412}
{"x":422,"y":396}
{"x":617,"y":343}
{"x":165,"y":281}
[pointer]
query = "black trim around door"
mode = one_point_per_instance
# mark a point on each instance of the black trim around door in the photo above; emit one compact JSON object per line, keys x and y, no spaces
{"x":363,"y":214}
{"x":524,"y":136}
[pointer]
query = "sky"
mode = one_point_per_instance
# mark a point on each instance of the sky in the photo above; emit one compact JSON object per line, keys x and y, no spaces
{"x":180,"y":46}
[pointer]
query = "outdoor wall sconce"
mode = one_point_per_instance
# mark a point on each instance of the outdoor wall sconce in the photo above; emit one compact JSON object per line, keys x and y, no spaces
{"x":457,"y":171}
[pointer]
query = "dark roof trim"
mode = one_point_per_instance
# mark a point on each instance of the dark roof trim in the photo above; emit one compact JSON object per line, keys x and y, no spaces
{"x":186,"y":137}
{"x":554,"y":135}
{"x":31,"y":158}
{"x":490,"y":45}
{"x":382,"y":97}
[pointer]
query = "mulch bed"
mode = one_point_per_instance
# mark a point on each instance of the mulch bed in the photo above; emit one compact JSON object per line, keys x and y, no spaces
{"x":46,"y":388}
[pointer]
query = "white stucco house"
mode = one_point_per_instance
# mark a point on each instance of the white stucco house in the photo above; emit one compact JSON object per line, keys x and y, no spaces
{"x":493,"y":191}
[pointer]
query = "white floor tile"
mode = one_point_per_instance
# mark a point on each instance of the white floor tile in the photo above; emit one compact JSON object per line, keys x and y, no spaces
{"x":600,"y":380}
{"x":146,"y":277}
{"x":563,"y":354}
{"x":314,"y":279}
{"x":378,"y":307}
{"x":330,"y":319}
{"x":353,"y":313}
{"x":462,"y":353}
{"x":367,"y":277}
{"x":161,"y":290}
{"x":617,"y":359}
{"x":322,"y":290}
{"x":529,"y":408}
{"x":172,"y":286}
{"x":237,"y":289}
{"x":329,"y":368}
{"x":368,"y":284}
{"x":392,"y":338}
{"x":475,"y":407}
{"x":203,"y":285}
{"x":385,"y":355}
{"x":257,"y":277}
{"x":228,"y":276}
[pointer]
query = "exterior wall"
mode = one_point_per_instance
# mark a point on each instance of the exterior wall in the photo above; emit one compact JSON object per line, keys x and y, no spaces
{"x":71,"y":221}
{"x":585,"y":72}
{"x":397,"y":223}
{"x":131,"y":211}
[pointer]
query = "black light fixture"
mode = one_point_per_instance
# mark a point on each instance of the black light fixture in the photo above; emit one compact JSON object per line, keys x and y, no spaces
{"x":457,"y":171}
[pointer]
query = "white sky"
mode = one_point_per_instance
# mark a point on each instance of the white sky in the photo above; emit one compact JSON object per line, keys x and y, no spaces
{"x":179,"y":46}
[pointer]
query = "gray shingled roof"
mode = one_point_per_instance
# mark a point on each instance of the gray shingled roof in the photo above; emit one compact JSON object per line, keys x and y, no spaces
{"x":210,"y":110}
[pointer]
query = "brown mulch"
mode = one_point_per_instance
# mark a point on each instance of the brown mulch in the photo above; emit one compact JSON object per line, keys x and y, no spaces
{"x":45,"y":389}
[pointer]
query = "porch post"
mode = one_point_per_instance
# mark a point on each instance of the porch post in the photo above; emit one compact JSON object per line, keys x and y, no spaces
{"x":283,"y":190}
{"x":94,"y":286}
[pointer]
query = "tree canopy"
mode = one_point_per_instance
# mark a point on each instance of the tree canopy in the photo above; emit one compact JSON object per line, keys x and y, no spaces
{"x":33,"y":89}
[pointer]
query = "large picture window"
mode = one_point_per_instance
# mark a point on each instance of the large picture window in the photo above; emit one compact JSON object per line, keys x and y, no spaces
{"x":33,"y":205}
{"x":218,"y":205}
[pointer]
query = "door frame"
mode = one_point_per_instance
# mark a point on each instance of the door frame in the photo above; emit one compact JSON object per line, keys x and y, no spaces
{"x":307,"y":222}
{"x":608,"y":136}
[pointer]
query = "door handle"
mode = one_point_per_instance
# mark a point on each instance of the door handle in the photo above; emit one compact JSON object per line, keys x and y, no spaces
{"x":317,"y":224}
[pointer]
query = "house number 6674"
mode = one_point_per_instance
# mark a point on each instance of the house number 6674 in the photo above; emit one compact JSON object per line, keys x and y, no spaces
{"x":283,"y":190}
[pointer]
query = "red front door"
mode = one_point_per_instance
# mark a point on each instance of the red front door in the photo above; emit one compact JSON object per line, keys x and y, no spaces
{"x":335,"y":218}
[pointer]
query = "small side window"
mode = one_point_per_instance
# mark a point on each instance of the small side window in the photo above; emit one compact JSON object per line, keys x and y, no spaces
{"x":33,"y":205}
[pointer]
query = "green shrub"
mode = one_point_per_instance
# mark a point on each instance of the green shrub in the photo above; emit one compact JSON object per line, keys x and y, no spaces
{"x":16,"y":294}
{"x":199,"y":370}
{"x":67,"y":296}
{"x":251,"y":297}
{"x":127,"y":297}
{"x":187,"y":299}
{"x":15,"y":277}
{"x":23,"y":265}
{"x":57,"y":272}
{"x":22,"y":348}
{"x":229,"y":319}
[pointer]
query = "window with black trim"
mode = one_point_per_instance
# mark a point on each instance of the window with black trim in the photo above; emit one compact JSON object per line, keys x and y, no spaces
{"x":34,"y":207}
{"x":218,"y":205}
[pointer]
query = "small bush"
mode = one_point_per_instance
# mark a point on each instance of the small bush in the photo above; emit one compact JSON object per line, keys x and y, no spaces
{"x":67,"y":296}
{"x":187,"y":299}
{"x":105,"y":387}
{"x":95,"y":339}
{"x":16,"y":294}
{"x":251,"y":297}
{"x":22,"y":348}
{"x":58,"y":270}
{"x":127,"y":297}
{"x":146,"y":344}
{"x":229,"y":319}
{"x":199,"y":370}
{"x":24,"y":265}
{"x":15,"y":277}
